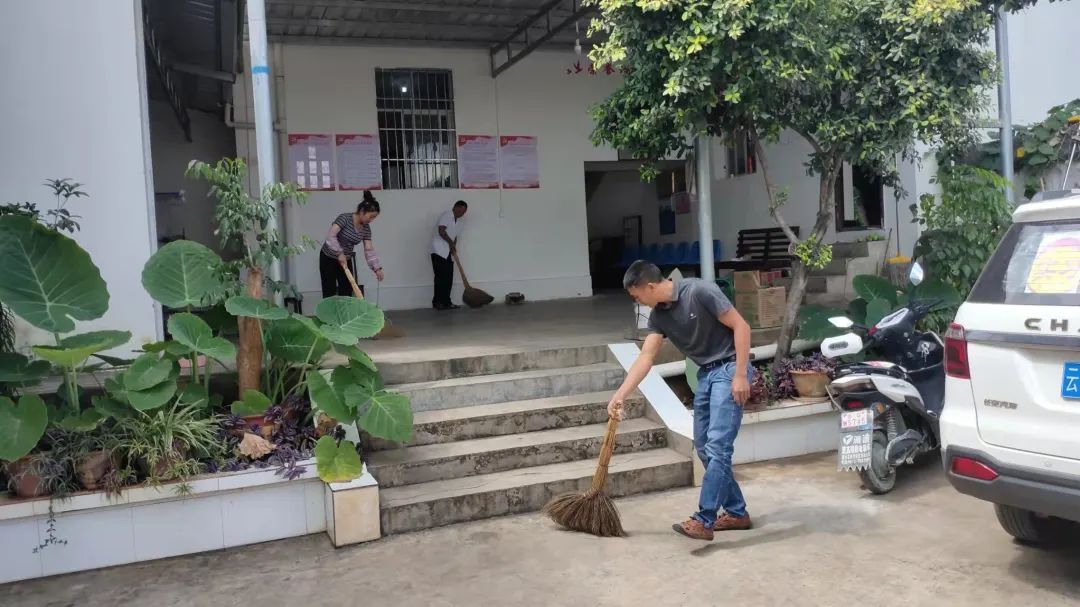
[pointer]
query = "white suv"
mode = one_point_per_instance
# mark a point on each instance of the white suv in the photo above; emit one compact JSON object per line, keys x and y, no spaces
{"x":1010,"y":430}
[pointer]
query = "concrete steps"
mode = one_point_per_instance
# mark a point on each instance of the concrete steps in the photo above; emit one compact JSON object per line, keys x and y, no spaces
{"x":488,"y":389}
{"x":525,"y":490}
{"x":504,"y":434}
{"x":493,"y":364}
{"x":458,"y":459}
{"x":465,"y":423}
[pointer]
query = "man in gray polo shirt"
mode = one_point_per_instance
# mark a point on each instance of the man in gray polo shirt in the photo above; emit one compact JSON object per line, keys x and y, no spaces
{"x":700,"y":321}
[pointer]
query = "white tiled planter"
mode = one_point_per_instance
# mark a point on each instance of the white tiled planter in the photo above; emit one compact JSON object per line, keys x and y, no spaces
{"x":147,"y":523}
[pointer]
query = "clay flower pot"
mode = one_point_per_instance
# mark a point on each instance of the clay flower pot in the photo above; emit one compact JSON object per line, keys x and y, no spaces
{"x":810,"y":384}
{"x":24,"y":482}
{"x":93,"y":467}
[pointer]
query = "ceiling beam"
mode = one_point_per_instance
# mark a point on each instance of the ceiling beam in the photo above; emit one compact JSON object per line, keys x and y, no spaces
{"x":419,"y":7}
{"x":504,"y":55}
{"x":494,"y":30}
{"x":384,"y":41}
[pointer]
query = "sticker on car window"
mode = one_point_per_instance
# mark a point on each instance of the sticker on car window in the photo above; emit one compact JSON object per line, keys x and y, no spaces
{"x":1056,"y":267}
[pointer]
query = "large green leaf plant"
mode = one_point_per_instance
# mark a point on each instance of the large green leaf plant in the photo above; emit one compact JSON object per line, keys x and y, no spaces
{"x":51,"y":283}
{"x":877,"y":299}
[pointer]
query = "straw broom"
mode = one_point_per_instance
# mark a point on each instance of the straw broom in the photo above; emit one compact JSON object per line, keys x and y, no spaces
{"x":389,"y":330}
{"x":592,"y":512}
{"x":473,"y":297}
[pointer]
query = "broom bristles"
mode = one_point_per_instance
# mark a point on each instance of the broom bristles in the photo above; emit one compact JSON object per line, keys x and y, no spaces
{"x":474,"y":298}
{"x":592,"y":512}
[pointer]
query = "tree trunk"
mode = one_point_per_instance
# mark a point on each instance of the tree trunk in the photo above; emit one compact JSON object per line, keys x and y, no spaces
{"x":800,"y":277}
{"x":249,"y":358}
{"x":801,"y":273}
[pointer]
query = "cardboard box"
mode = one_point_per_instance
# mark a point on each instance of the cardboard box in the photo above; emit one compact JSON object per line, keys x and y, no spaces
{"x":751,"y":281}
{"x":763,"y":308}
{"x":747,"y":281}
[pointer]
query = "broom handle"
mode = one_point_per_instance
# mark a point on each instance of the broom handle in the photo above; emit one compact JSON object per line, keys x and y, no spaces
{"x":461,"y":270}
{"x":606,"y":449}
{"x":352,"y":281}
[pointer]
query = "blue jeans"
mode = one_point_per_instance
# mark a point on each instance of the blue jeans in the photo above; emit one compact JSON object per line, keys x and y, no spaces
{"x":717,"y":419}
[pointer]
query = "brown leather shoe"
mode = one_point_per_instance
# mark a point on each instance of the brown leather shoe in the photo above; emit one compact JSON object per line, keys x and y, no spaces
{"x":693,"y":529}
{"x":726,"y":522}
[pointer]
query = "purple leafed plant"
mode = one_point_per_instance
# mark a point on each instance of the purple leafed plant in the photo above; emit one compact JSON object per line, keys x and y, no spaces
{"x":294,"y":439}
{"x":783,"y":387}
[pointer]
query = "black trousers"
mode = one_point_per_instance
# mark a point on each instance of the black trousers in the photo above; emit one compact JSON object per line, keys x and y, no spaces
{"x":443,"y":268}
{"x":334,"y":281}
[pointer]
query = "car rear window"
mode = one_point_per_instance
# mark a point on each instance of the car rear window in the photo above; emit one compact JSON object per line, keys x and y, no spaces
{"x":1036,"y":264}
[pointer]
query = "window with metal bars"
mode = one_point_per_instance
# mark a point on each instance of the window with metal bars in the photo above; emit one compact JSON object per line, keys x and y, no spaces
{"x":741,"y":159}
{"x":417,"y":133}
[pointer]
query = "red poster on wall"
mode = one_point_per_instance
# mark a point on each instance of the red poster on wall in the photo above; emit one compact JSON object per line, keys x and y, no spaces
{"x":311,"y":161}
{"x":519,"y":162}
{"x":358,"y":162}
{"x":478,"y":162}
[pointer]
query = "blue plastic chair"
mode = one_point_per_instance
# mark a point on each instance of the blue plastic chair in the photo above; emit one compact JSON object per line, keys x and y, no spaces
{"x":694,"y":255}
{"x":682,"y":254}
{"x":651,"y":253}
{"x":666,"y":255}
{"x":717,"y":250}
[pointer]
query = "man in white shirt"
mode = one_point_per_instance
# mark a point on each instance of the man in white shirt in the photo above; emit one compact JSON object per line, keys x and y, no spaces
{"x":443,"y":246}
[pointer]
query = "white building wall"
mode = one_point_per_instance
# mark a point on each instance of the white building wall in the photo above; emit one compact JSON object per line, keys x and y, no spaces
{"x":73,"y":104}
{"x":533,"y":241}
{"x":1043,"y":57}
{"x":741,"y":202}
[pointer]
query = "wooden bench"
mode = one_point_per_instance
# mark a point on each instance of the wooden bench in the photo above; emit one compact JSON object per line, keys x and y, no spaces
{"x":763,"y":248}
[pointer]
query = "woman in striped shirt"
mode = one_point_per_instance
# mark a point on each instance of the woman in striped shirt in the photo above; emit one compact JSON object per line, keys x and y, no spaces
{"x":347,"y":231}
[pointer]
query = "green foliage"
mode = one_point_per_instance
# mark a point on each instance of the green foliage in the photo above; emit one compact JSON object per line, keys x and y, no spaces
{"x":243,"y":222}
{"x":337,"y":462}
{"x":251,"y":307}
{"x":860,"y":81}
{"x":21,"y":425}
{"x":877,"y":299}
{"x":296,"y":340}
{"x":962,"y":230}
{"x":46,"y":278}
{"x":194,"y":334}
{"x":73,"y":351}
{"x":348,"y":319}
{"x":182,"y":274}
{"x":1038,"y":148}
{"x":253,"y":403}
{"x":167,"y":442}
{"x":813,"y":253}
{"x":355,"y":395}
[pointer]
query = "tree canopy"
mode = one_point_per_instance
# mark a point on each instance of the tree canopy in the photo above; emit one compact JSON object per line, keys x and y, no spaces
{"x":861,"y":80}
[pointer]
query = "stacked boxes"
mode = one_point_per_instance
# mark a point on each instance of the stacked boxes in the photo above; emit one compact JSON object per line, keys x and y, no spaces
{"x":758,"y":301}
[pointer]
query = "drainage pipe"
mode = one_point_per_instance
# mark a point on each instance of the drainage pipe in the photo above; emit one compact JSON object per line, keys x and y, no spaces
{"x":264,"y":121}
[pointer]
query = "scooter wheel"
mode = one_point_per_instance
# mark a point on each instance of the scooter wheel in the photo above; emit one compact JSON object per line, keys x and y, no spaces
{"x":880,"y":477}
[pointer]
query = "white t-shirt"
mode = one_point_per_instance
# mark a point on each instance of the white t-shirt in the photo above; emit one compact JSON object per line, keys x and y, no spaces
{"x":453,"y":228}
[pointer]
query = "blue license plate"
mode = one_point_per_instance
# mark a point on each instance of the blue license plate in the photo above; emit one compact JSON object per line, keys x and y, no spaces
{"x":1070,"y":381}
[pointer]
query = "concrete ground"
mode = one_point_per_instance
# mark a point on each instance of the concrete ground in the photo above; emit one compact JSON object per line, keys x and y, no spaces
{"x":819,"y":540}
{"x":500,"y":329}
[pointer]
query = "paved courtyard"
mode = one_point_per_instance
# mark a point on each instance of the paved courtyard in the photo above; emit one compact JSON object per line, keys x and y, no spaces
{"x":819,"y":541}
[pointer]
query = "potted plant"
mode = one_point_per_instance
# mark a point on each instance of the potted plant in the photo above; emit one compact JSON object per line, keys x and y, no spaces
{"x":165,"y":444}
{"x":810,"y":374}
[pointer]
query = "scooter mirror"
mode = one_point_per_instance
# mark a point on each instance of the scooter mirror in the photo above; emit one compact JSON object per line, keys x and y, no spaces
{"x":844,"y":345}
{"x":841,"y":322}
{"x":917,"y":275}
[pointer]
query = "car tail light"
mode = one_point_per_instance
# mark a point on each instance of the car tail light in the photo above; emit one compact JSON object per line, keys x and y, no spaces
{"x":956,"y":353}
{"x":970,"y":468}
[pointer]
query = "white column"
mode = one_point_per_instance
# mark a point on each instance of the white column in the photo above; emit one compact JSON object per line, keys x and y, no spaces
{"x":264,"y":118}
{"x":1001,"y":31}
{"x":703,"y":148}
